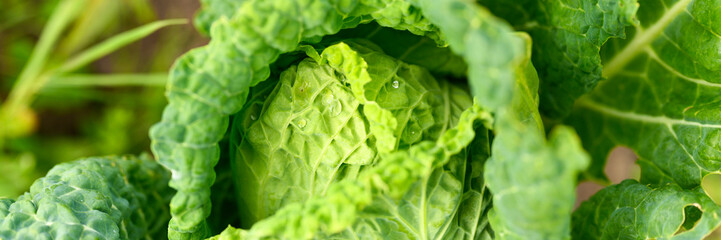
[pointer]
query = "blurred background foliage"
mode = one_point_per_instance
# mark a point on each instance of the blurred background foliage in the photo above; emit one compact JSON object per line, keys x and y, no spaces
{"x":83,"y":78}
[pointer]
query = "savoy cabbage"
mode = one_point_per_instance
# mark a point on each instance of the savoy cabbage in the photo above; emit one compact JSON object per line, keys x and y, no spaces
{"x":415,"y":119}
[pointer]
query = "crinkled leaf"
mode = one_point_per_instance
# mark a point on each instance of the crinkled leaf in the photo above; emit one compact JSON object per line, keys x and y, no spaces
{"x":210,"y":83}
{"x":532,"y":180}
{"x":534,"y":188}
{"x":631,"y":210}
{"x":312,"y":130}
{"x":103,"y":198}
{"x":429,"y":217}
{"x":212,"y":10}
{"x":403,"y":103}
{"x":5,"y":204}
{"x":395,"y":175}
{"x":308,"y":134}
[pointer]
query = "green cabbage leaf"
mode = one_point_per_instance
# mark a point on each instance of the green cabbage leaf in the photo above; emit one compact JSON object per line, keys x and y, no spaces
{"x":92,"y":198}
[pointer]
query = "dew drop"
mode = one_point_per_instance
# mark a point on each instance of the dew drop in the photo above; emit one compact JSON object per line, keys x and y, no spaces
{"x":413,"y":132}
{"x":395,"y":84}
{"x":253,"y":117}
{"x":302,"y":123}
{"x":328,"y":98}
{"x":334,"y":108}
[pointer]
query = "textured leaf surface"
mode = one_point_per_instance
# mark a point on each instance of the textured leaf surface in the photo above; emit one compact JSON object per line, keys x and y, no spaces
{"x":312,"y":130}
{"x":534,"y":189}
{"x":210,"y":83}
{"x":93,"y":198}
{"x":663,"y":95}
{"x":451,"y":203}
{"x":212,"y":10}
{"x":532,"y":179}
{"x":304,"y":138}
{"x":631,"y":210}
{"x":395,"y":176}
{"x":470,"y":224}
{"x":427,"y":209}
{"x":567,"y":37}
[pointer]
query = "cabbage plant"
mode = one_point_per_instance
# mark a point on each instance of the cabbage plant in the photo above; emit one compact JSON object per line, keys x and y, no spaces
{"x":439,"y":119}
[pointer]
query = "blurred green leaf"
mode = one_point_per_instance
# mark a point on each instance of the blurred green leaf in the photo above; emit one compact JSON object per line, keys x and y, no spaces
{"x":94,"y":21}
{"x":101,"y":49}
{"x":108,"y":80}
{"x":65,"y":13}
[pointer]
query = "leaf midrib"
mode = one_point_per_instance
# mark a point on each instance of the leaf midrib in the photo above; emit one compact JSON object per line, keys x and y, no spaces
{"x":642,"y":39}
{"x":611,"y":111}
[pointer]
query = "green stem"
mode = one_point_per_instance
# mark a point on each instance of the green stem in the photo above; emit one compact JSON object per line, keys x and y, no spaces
{"x":107,"y":80}
{"x":22,"y":91}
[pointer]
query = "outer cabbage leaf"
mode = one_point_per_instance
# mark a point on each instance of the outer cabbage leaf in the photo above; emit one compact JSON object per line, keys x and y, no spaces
{"x":93,"y":198}
{"x":224,"y":211}
{"x":534,"y":188}
{"x":5,"y":204}
{"x":486,"y":43}
{"x":210,"y":83}
{"x":532,"y":180}
{"x":212,"y":10}
{"x":662,"y":95}
{"x":567,"y":37}
{"x":631,"y":210}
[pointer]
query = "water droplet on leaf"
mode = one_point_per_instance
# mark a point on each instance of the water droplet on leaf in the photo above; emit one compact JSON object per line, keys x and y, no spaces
{"x":253,"y":117}
{"x":334,"y":108}
{"x":328,"y":98}
{"x":395,"y":84}
{"x":302,"y":123}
